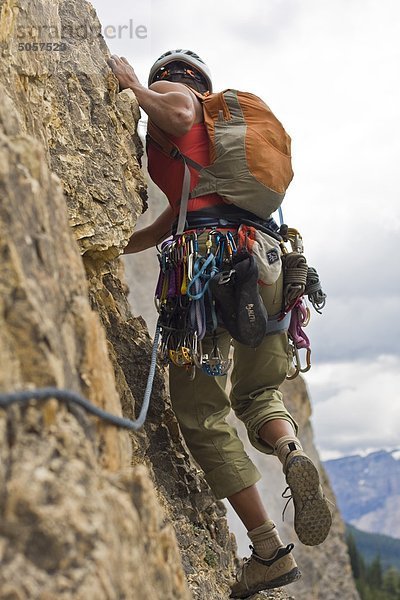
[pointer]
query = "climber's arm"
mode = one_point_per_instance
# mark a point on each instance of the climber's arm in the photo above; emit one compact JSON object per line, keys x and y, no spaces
{"x":169,"y":105}
{"x":153,"y":234}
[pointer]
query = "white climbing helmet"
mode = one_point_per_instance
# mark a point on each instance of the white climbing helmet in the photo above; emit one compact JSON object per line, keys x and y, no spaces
{"x":184,"y":56}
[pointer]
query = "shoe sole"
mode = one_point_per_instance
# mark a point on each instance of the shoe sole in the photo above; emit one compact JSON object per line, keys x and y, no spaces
{"x":290,"y":577}
{"x":312,"y":517}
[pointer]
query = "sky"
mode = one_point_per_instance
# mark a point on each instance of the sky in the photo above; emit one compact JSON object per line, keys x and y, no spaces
{"x":329,"y":69}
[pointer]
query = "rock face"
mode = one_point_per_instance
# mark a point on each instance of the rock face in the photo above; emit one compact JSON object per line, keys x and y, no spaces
{"x":76,"y":520}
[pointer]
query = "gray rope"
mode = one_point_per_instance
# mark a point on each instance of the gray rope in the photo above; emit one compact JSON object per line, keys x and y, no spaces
{"x":294,"y":277}
{"x":314,"y":291}
{"x":24,"y":396}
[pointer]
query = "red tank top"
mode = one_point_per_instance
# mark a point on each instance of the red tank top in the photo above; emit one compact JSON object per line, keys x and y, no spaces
{"x":167,"y":172}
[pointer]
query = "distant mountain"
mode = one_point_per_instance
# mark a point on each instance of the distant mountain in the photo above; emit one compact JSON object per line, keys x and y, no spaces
{"x":371,"y":545}
{"x":368,"y":490}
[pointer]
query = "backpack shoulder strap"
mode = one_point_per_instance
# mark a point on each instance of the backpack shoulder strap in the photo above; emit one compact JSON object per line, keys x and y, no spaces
{"x":158,"y":137}
{"x":201,"y":97}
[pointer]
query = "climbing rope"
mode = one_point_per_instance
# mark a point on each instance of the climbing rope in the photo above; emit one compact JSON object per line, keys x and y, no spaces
{"x":295,"y":277}
{"x":64,"y":395}
{"x":314,"y":291}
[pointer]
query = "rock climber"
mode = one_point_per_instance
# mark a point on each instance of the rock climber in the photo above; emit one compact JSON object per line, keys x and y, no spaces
{"x":202,"y":405}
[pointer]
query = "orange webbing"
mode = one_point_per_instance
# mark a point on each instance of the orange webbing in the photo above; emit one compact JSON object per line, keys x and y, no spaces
{"x":246,"y":238}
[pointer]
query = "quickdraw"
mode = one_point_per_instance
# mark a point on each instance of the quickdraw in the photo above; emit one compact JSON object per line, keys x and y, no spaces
{"x":184,"y":301}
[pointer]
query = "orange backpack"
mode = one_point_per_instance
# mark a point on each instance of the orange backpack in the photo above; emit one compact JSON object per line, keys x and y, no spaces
{"x":249,"y":153}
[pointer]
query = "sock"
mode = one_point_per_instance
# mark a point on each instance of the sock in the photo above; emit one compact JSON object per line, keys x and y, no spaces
{"x":285,"y":445}
{"x":265,"y":539}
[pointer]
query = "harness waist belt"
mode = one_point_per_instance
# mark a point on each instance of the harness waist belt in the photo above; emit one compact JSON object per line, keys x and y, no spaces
{"x":275,"y":326}
{"x":228,"y":217}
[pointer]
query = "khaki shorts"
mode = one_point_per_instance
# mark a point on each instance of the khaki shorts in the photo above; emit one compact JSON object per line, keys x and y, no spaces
{"x":202,"y":405}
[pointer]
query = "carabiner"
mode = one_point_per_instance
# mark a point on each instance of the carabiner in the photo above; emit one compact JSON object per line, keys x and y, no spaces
{"x":297,"y":362}
{"x":209,"y":243}
{"x":296,"y":241}
{"x":308,"y":361}
{"x":307,"y":316}
{"x":231,"y":241}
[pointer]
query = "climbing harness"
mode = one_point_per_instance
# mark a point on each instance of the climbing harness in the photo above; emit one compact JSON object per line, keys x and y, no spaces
{"x":24,"y":396}
{"x":196,"y":281}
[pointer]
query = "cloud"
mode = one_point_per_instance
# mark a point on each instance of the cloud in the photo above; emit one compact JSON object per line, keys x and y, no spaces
{"x":360,"y":410}
{"x":355,"y":328}
{"x":263,"y":24}
{"x":119,"y":21}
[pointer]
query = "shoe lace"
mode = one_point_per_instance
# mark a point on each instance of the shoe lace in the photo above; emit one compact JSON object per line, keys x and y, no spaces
{"x":287,"y":494}
{"x":330,"y":502}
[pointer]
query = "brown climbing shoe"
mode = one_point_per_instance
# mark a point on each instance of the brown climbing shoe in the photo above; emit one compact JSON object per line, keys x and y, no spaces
{"x":312,"y":517}
{"x":259,"y":573}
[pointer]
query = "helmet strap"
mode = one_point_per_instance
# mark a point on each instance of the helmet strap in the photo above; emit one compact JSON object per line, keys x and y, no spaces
{"x":184,"y":74}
